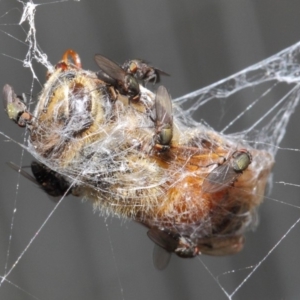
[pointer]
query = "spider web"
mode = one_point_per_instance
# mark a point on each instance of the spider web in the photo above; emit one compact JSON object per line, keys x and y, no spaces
{"x":253,"y":106}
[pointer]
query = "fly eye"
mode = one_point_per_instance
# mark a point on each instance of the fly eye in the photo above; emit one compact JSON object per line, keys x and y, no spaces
{"x":15,"y":110}
{"x":14,"y":107}
{"x":166,"y":135}
{"x":241,"y":161}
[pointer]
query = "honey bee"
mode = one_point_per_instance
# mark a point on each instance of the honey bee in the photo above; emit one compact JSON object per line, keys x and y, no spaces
{"x":188,"y":187}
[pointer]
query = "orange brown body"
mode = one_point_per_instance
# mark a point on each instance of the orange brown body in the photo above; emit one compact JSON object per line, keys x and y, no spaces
{"x":102,"y":144}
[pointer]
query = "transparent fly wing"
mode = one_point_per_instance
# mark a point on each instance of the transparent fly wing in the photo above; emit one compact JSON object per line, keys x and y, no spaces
{"x":8,"y":95}
{"x":110,"y":68}
{"x":161,"y":257}
{"x":105,"y":78}
{"x":219,"y":179}
{"x":164,"y":116}
{"x":162,"y":239}
{"x":22,"y":172}
{"x":163,"y":106}
{"x":161,"y":72}
{"x":165,"y":244}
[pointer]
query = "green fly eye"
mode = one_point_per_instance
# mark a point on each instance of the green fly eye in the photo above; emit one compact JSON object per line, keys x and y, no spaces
{"x":165,"y":136}
{"x":14,"y":107}
{"x":241,"y":160}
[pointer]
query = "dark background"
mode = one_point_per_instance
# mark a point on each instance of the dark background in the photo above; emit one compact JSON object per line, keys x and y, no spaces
{"x":79,"y":255}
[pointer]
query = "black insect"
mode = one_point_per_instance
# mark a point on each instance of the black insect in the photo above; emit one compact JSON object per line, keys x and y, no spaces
{"x":54,"y":184}
{"x":142,"y":71}
{"x":113,"y":74}
{"x":227,"y":173}
{"x":166,"y":243}
{"x":15,"y":107}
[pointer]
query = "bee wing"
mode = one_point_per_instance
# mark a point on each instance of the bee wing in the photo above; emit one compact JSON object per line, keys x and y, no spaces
{"x":109,"y":67}
{"x":163,"y":106}
{"x":219,"y":179}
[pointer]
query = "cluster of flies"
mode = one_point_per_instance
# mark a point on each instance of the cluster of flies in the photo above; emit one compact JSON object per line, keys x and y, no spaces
{"x":127,"y":80}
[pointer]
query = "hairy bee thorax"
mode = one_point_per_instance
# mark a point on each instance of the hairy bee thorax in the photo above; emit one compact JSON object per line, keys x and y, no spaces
{"x":66,"y":114}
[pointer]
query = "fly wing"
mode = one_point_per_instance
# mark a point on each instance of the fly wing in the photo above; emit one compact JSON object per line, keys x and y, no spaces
{"x":163,"y":106}
{"x":219,"y":178}
{"x":165,"y":244}
{"x":161,"y":257}
{"x":22,"y":172}
{"x":161,"y":72}
{"x":105,"y":78}
{"x":109,"y":67}
{"x":153,"y":74}
{"x":163,"y":239}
